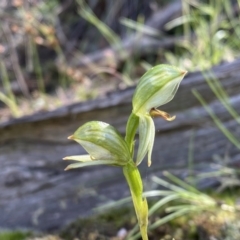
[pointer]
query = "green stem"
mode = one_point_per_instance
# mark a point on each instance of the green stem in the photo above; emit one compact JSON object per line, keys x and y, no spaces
{"x":132,"y":125}
{"x":134,"y":180}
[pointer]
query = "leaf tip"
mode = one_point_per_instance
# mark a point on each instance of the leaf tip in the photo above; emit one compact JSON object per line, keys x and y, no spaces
{"x":149,"y":163}
{"x":184,"y":72}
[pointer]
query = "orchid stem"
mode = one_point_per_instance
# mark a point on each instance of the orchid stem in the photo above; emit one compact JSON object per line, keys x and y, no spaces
{"x":132,"y":125}
{"x":134,"y":181}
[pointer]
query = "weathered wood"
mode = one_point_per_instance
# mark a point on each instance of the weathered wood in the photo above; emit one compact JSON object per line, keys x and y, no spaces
{"x":36,"y":192}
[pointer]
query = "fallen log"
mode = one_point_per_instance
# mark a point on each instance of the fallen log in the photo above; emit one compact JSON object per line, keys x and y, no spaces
{"x":35,"y":191}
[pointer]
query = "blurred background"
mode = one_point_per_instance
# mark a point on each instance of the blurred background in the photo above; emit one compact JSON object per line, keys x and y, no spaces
{"x":65,"y":62}
{"x":58,"y":52}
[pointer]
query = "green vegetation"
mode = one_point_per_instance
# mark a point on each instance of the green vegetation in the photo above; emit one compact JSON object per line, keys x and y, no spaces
{"x":210,"y":34}
{"x":14,"y":235}
{"x":181,"y":199}
{"x":106,"y":146}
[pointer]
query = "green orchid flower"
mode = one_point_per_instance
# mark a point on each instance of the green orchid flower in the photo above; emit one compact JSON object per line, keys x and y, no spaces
{"x":155,"y":88}
{"x":104,"y":144}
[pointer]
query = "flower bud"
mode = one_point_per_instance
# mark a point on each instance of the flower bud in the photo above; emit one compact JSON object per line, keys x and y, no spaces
{"x":104,"y":144}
